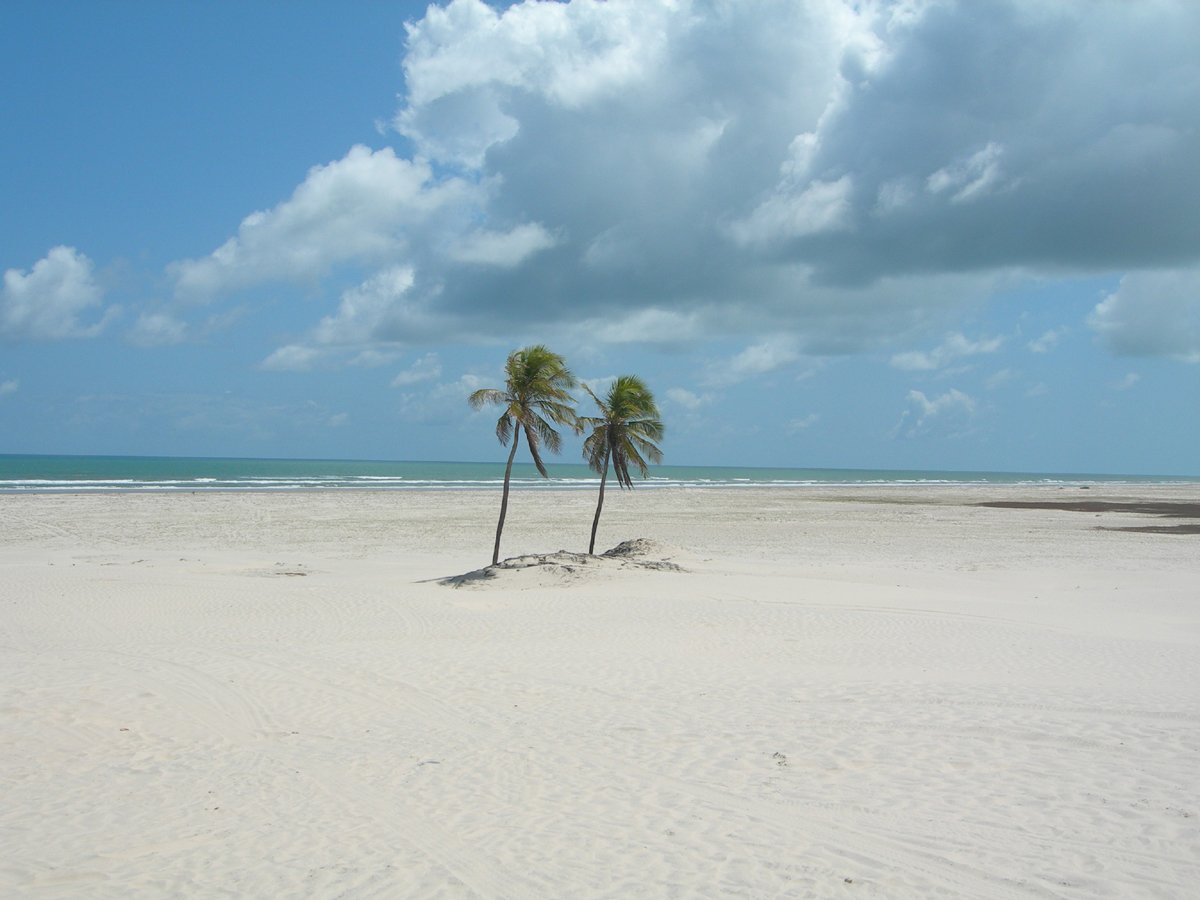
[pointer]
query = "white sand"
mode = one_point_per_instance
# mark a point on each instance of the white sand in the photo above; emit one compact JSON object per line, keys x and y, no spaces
{"x":851,"y":693}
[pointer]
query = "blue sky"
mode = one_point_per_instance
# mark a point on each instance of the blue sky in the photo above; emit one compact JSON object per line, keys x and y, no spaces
{"x":909,"y":234}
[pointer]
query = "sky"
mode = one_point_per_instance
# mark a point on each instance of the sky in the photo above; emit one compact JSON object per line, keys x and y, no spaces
{"x":907,"y":234}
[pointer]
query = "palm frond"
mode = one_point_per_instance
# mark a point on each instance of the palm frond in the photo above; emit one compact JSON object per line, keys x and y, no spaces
{"x":595,"y":449}
{"x":627,"y":430}
{"x":537,"y":396}
{"x":537,"y":387}
{"x":504,"y":429}
{"x":621,"y":469}
{"x":600,"y":403}
{"x":487,"y":397}
{"x":590,"y":422}
{"x":545,"y":431}
{"x":631,"y":453}
{"x":534,"y":451}
{"x":558,"y":412}
{"x":641,"y":445}
{"x":649,"y":429}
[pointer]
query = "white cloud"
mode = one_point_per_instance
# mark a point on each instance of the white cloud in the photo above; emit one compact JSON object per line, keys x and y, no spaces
{"x":46,"y":303}
{"x":466,"y":385}
{"x":373,"y":358}
{"x":952,"y":399}
{"x":802,"y":424}
{"x":1154,"y":313}
{"x":645,"y":325}
{"x":1047,"y":342}
{"x":768,"y":355}
{"x":465,"y":59}
{"x":504,"y":249}
{"x":372,"y":321}
{"x":427,"y":368}
{"x":820,"y":206}
{"x":446,"y":401}
{"x":954,"y":404}
{"x":953,"y":347}
{"x":9,"y":387}
{"x":968,"y":178}
{"x":353,"y":209}
{"x":687,"y":399}
{"x":1130,"y":379}
{"x":292,"y":358}
{"x":363,"y":309}
{"x":158,"y":329}
{"x":1000,"y":378}
{"x":893,"y":196}
{"x":845,"y":173}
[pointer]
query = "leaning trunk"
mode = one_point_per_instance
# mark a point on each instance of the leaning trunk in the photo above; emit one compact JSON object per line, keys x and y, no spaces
{"x":599,"y":506}
{"x":504,"y":496}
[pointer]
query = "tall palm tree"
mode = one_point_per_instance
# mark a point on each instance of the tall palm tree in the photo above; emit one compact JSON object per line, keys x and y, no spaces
{"x":625,"y":432}
{"x":536,"y":396}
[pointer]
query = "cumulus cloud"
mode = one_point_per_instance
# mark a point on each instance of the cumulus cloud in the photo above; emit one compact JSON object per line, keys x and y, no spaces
{"x":427,"y":368}
{"x":373,"y":358}
{"x":445,"y":401}
{"x":819,"y":206}
{"x":746,"y":149}
{"x":364,"y":309}
{"x":1152,"y":314}
{"x":658,"y":170}
{"x":47,"y":302}
{"x":373,"y":321}
{"x":955,"y":346}
{"x":465,"y":61}
{"x":1000,"y":378}
{"x":158,"y":329}
{"x":504,"y":249}
{"x":292,"y":358}
{"x":353,"y":209}
{"x":922,"y":410}
{"x":757,"y":359}
{"x":689,"y":400}
{"x":968,"y":178}
{"x":952,"y":399}
{"x":651,"y":325}
{"x":1047,"y":342}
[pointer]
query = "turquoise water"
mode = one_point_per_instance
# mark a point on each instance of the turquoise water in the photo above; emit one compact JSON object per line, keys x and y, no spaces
{"x":148,"y":473}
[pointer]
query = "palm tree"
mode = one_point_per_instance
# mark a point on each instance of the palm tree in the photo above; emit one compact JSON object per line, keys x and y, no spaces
{"x":537,"y":392}
{"x":625,"y":432}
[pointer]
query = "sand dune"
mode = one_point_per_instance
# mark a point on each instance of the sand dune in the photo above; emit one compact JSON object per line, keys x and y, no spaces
{"x":838,"y":693}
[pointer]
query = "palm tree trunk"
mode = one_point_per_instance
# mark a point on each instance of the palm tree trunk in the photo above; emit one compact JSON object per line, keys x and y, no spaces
{"x":504,"y":497}
{"x":599,"y":506}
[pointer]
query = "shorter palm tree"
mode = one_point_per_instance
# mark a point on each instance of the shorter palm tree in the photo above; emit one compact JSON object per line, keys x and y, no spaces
{"x":536,"y":396}
{"x":626,"y":432}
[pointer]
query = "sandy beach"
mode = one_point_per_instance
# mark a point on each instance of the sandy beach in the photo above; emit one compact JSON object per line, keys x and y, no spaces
{"x":825,"y":692}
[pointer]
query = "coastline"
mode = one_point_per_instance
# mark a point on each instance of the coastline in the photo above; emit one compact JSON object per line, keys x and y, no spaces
{"x":101,"y":474}
{"x":889,"y":689}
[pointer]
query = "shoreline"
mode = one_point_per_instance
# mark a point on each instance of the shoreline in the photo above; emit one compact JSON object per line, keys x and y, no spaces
{"x":30,"y":474}
{"x":541,"y":487}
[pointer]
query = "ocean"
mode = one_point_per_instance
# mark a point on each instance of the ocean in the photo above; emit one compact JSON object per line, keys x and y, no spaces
{"x":67,"y":474}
